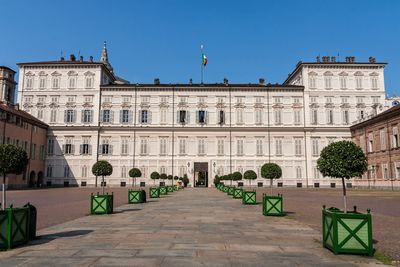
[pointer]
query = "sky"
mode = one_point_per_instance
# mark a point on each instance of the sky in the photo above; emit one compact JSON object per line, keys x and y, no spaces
{"x":243,"y":40}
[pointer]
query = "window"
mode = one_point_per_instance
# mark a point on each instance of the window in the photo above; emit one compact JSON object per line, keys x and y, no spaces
{"x":239,"y":100}
{"x":201,"y":146}
{"x":107,"y":99}
{"x":343,"y":82}
{"x":201,"y":99}
{"x":163,"y":100}
{"x":72,"y":82}
{"x":68,"y":146}
{"x":360,"y":100}
{"x":201,"y":116}
{"x":316,"y":173}
{"x":40,"y":114}
{"x":183,"y":116}
{"x":124,"y":146}
{"x":361,"y":114}
{"x":69,"y":116}
{"x":28,"y":99}
{"x":278,"y":116}
{"x":106,"y":116}
{"x":296,"y":117}
{"x":71,"y":99}
{"x":163,"y":146}
{"x":144,"y":116}
{"x":259,"y":147}
{"x":55,"y":82}
{"x":370,"y":143}
{"x":258,"y":116}
{"x":183,"y":99}
{"x":385,"y":171}
{"x":53,"y":115}
{"x":42,"y":82}
{"x":221,"y":117}
{"x":329,"y":116}
{"x":221,"y":147}
{"x":125,"y":116}
{"x":312,"y":81}
{"x":313,"y":100}
{"x":315,"y":147}
{"x":89,"y":81}
{"x":84,"y":171}
{"x":296,"y":100}
{"x":278,"y":100}
{"x":359,"y":81}
{"x":375,"y":99}
{"x":66,"y":171}
{"x":106,"y":148}
{"x":163,"y":170}
{"x":328,"y":81}
{"x":163,"y":115}
{"x":382,"y":139}
{"x":29,"y":82}
{"x":182,"y":171}
{"x":145,"y":99}
{"x":395,"y":137}
{"x":329,"y":100}
{"x":123,"y":172}
{"x":143,"y":146}
{"x":258,"y":100}
{"x":182,"y":146}
{"x":278,"y":147}
{"x":50,"y":147}
{"x":298,"y":173}
{"x":297,"y":147}
{"x":54,"y":99}
{"x":345,"y":99}
{"x":239,"y":116}
{"x":374,"y":82}
{"x":49,"y":171}
{"x":239,"y":147}
{"x":87,"y":116}
{"x":86,"y":148}
{"x":345,"y":114}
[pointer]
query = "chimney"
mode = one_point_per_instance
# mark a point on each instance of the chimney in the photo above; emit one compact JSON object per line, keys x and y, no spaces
{"x":352,"y":59}
{"x":81,"y":59}
{"x":226,"y":81}
{"x":333,"y":59}
{"x":261,"y":81}
{"x":318,"y":59}
{"x":72,"y":57}
{"x":190,"y":81}
{"x":372,"y":60}
{"x":62,"y":59}
{"x":347,"y":59}
{"x":91,"y":59}
{"x":156,"y":81}
{"x":325,"y":59}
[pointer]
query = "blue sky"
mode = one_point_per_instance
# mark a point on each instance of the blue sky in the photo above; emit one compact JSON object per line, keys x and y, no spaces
{"x":244,"y":40}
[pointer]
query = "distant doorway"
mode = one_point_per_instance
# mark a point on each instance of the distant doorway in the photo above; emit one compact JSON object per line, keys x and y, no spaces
{"x":200,"y":178}
{"x":32,"y":179}
{"x":39,"y":182}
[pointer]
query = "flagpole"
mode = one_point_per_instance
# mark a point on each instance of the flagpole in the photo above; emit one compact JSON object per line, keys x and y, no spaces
{"x":201,"y":62}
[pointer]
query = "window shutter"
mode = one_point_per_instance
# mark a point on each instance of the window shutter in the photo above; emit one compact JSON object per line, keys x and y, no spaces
{"x":82,"y":116}
{"x":65,"y":115}
{"x":100,"y":150}
{"x":139,"y":116}
{"x":130,"y":116}
{"x":177,"y":116}
{"x":206,"y":119}
{"x":110,"y":149}
{"x":101,"y":116}
{"x":80,"y":149}
{"x":197,"y":116}
{"x":121,"y":112}
{"x":63,"y":149}
{"x":111,"y":116}
{"x":187,"y":117}
{"x":91,"y":116}
{"x":149,"y":117}
{"x":90,"y":149}
{"x":72,"y":149}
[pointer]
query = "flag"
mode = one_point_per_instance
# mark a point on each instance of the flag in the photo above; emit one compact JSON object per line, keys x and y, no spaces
{"x":204,"y":60}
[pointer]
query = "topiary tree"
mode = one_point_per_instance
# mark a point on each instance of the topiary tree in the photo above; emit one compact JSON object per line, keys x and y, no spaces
{"x":228,"y":177}
{"x":217,"y":180}
{"x":176,"y":177}
{"x":13,"y":160}
{"x":134,"y":173}
{"x":271,"y":171}
{"x":163,"y":176}
{"x":237,"y":176}
{"x":154,"y":176}
{"x":102,"y":168}
{"x":343,"y":159}
{"x":185,"y":180}
{"x":250,"y":175}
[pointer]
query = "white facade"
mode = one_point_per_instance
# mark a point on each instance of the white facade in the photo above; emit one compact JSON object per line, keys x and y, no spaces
{"x":98,"y":117}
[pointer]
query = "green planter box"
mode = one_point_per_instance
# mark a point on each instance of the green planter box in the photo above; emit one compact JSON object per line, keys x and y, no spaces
{"x":249,"y":198}
{"x":163,"y":190}
{"x":349,"y":232}
{"x":238,"y":193}
{"x":176,"y":188}
{"x":14,"y":227}
{"x":154,"y":192}
{"x":101,"y":204}
{"x":170,"y":189}
{"x":231,"y":189}
{"x":136,"y":196}
{"x":272,"y":205}
{"x":225,"y":189}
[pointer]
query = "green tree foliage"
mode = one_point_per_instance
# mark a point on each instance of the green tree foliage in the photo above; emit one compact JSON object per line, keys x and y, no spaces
{"x":271,"y":171}
{"x":102,"y":168}
{"x":185,"y":180}
{"x":217,"y":180}
{"x":170,"y":177}
{"x":13,"y":160}
{"x":343,"y":159}
{"x":154,"y":176}
{"x":250,"y":175}
{"x":176,"y":177}
{"x":237,"y":176}
{"x":163,"y":176}
{"x":134,"y":173}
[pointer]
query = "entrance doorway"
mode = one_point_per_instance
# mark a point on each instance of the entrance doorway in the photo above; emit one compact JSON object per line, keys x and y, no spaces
{"x":200,"y":178}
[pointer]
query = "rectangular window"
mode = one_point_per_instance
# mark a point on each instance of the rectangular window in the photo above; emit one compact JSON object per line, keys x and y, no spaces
{"x":201,"y":114}
{"x":374,"y":82}
{"x":360,"y":100}
{"x":239,"y":116}
{"x":124,"y":146}
{"x":69,"y":116}
{"x":42,"y":82}
{"x":395,"y":137}
{"x":163,"y":115}
{"x":312,"y":82}
{"x":182,"y":146}
{"x":329,"y":100}
{"x":182,"y":116}
{"x":297,"y":117}
{"x":87,"y":116}
{"x":221,"y":117}
{"x":385,"y":171}
{"x":68,"y":146}
{"x":72,"y":82}
{"x":201,"y":146}
{"x":106,"y":116}
{"x":106,"y":148}
{"x":359,"y":84}
{"x":375,"y":99}
{"x":29,"y":82}
{"x":125,"y":116}
{"x":86,"y":147}
{"x":259,"y":147}
{"x":382,"y":139}
{"x":315,"y":147}
{"x":49,"y":172}
{"x":89,"y":82}
{"x":345,"y":99}
{"x":298,"y":173}
{"x":258,"y":116}
{"x":221,"y":147}
{"x":343,"y":82}
{"x":123,"y":171}
{"x":163,"y":100}
{"x":278,"y":116}
{"x":328,"y":82}
{"x":329,"y":116}
{"x":278,"y":147}
{"x":370,"y":143}
{"x":278,"y":100}
{"x":346,"y":119}
{"x":50,"y":147}
{"x":297,"y":147}
{"x":53,"y":115}
{"x":313,"y":100}
{"x":240,"y":147}
{"x":144,"y":147}
{"x":163,"y":146}
{"x":40,"y":114}
{"x":144,"y":116}
{"x":361,"y":114}
{"x":66,"y":171}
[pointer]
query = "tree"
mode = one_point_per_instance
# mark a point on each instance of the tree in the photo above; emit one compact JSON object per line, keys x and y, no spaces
{"x":185,"y":180}
{"x":176,"y":177}
{"x":154,"y":176}
{"x":250,"y":175}
{"x":343,"y":159}
{"x":237,"y":176}
{"x":271,"y":171}
{"x":102,"y":168}
{"x":13,"y":160}
{"x":217,"y":180}
{"x":134,"y":173}
{"x":170,"y":177}
{"x":163,"y":176}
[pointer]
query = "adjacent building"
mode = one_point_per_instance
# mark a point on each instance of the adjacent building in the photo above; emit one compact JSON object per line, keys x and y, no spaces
{"x":201,"y":130}
{"x":379,"y":139}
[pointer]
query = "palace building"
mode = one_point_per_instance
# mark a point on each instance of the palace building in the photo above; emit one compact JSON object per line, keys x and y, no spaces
{"x":201,"y":130}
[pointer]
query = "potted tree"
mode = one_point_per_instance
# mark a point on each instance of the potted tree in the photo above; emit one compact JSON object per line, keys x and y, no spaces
{"x":154,"y":190}
{"x":136,"y":196}
{"x":14,"y":221}
{"x":272,"y":205}
{"x":185,"y":180}
{"x":170,"y":188}
{"x":231,"y":188}
{"x":102,"y":204}
{"x":216,"y":181}
{"x":249,"y":196}
{"x":163,"y":188}
{"x":176,"y":178}
{"x":345,"y":231}
{"x":237,"y":192}
{"x":225,"y":188}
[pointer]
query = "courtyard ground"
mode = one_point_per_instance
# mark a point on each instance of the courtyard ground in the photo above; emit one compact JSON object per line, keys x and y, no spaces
{"x":193,"y":227}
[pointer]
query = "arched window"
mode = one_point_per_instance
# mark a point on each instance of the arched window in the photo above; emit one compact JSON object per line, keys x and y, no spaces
{"x":359,"y":76}
{"x":29,"y":77}
{"x":328,"y":80}
{"x":343,"y":80}
{"x":42,"y":79}
{"x":55,"y":80}
{"x":312,"y":80}
{"x":89,"y":79}
{"x":72,"y":79}
{"x":374,"y":80}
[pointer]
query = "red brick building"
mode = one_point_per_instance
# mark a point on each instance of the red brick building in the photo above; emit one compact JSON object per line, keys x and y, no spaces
{"x":379,"y":139}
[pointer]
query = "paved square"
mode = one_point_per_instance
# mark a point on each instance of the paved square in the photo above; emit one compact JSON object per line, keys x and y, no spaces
{"x":193,"y":227}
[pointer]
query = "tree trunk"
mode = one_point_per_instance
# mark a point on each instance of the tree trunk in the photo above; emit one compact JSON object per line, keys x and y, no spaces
{"x":96,"y":182}
{"x":344,"y":195}
{"x":270,"y":184}
{"x":102,"y":185}
{"x":3,"y":202}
